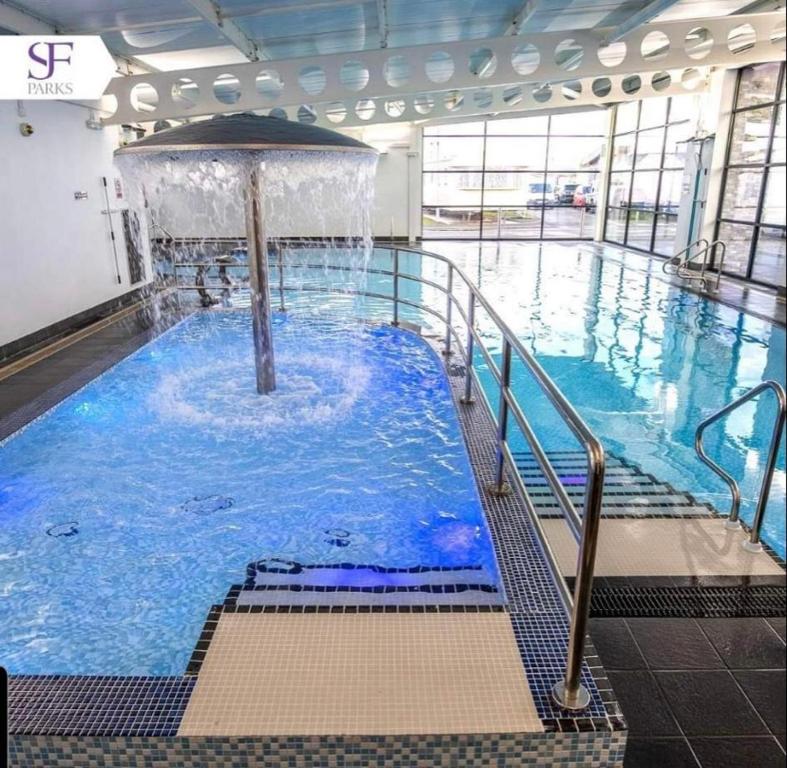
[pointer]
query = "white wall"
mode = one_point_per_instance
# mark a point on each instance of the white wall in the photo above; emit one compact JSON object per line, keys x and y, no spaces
{"x":56,"y":254}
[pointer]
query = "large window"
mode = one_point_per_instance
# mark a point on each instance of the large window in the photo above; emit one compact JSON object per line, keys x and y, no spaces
{"x":520,"y":178}
{"x":648,"y":155}
{"x":751,"y":214}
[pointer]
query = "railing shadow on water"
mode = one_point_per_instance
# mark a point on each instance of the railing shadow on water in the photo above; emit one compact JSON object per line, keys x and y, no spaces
{"x":461,"y":298}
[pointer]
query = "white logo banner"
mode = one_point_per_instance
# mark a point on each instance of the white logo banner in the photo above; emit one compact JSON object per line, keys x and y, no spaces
{"x":54,"y":67}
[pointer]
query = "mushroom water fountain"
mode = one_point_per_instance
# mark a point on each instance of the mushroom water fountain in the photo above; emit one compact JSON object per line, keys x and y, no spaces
{"x":265,"y":176}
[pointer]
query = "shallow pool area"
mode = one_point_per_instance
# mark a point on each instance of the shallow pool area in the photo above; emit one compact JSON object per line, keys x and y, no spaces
{"x":133,"y":505}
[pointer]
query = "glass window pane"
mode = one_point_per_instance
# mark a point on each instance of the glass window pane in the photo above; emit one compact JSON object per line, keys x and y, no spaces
{"x":671,"y":191}
{"x":738,"y":238}
{"x":643,"y":189}
{"x":742,"y":194}
{"x":575,"y":153}
{"x":463,"y":189}
{"x":516,"y":189}
{"x":770,"y":263}
{"x":666,"y":229}
{"x":649,"y":147}
{"x":615,"y":227}
{"x":654,"y":112}
{"x":589,"y":123}
{"x":640,"y":229}
{"x":619,"y":186}
{"x":502,"y":222}
{"x":451,"y":222}
{"x":627,"y":117}
{"x":567,"y":186}
{"x":750,"y":135}
{"x":623,"y":152}
{"x":519,"y":126}
{"x":455,"y":129}
{"x":773,"y":207}
{"x":758,"y":84}
{"x":453,"y":153}
{"x":675,"y":151}
{"x":567,"y":221}
{"x":516,"y":153}
{"x":778,"y":151}
{"x":684,"y":108}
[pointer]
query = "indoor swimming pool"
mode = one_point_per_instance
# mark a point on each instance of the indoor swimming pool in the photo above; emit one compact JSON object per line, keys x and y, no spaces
{"x":133,"y":505}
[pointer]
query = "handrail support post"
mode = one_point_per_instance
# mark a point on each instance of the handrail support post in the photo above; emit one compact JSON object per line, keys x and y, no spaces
{"x":500,"y":487}
{"x":396,"y":287}
{"x":449,"y":305}
{"x":467,"y":398}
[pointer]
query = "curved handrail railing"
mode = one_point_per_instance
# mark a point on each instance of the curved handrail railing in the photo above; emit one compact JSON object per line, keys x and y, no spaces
{"x":569,"y":692}
{"x":733,"y":521}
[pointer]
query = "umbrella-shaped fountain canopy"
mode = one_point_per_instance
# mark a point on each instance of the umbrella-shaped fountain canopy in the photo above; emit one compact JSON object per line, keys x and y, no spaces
{"x":248,"y":140}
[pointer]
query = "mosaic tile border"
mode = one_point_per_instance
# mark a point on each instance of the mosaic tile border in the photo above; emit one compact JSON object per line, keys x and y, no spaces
{"x":554,"y":750}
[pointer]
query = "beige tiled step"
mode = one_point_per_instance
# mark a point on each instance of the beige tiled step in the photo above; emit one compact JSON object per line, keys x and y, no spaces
{"x":662,"y":547}
{"x":361,"y":674}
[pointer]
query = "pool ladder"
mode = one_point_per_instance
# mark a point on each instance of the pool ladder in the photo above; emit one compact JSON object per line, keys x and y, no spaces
{"x":686,"y":264}
{"x":752,"y":543}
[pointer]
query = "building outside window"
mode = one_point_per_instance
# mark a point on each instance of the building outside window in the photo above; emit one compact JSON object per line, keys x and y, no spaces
{"x":751,"y":216}
{"x":648,"y":156}
{"x":520,"y":178}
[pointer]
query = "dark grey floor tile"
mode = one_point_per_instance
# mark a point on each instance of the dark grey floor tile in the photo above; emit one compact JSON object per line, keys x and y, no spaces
{"x":674,"y":644}
{"x":658,"y":753}
{"x":615,"y":645}
{"x":779,"y":626}
{"x":709,"y":704}
{"x":738,"y":753}
{"x":745,"y":643}
{"x":642,"y":703}
{"x":780,"y":737}
{"x":767,"y":691}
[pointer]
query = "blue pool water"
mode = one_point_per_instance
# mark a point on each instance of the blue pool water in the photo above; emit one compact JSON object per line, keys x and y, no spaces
{"x":642,"y":361}
{"x":133,"y":505}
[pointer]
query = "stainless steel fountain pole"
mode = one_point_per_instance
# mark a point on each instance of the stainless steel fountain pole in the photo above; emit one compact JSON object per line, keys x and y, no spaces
{"x":259,"y":284}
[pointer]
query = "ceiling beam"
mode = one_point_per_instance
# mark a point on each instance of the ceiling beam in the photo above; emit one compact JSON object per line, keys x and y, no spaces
{"x":213,"y":13}
{"x":382,"y":22}
{"x":23,"y":23}
{"x":522,"y":16}
{"x":643,"y":16}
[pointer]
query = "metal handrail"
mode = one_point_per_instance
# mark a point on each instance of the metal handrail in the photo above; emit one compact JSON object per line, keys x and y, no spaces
{"x":752,"y":543}
{"x":569,"y":692}
{"x":676,"y":261}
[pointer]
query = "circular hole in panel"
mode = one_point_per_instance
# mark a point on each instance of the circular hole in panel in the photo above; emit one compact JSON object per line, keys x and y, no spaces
{"x":691,"y":78}
{"x":602,"y":86}
{"x":525,"y":59}
{"x":699,"y":42}
{"x":279,"y":113}
{"x":396,"y":71}
{"x":185,"y":92}
{"x":512,"y":95}
{"x":226,"y":89}
{"x":306,"y":114}
{"x":269,"y":84}
{"x":144,"y":97}
{"x":423,"y":104}
{"x":395,"y":107}
{"x":571,"y":90}
{"x":440,"y":67}
{"x":354,"y":76}
{"x":542,"y":92}
{"x":631,"y":84}
{"x":453,"y":100}
{"x":612,"y":54}
{"x":365,"y":109}
{"x":483,"y":98}
{"x":779,"y":33}
{"x":569,"y":54}
{"x":742,"y":38}
{"x":336,"y":112}
{"x":312,"y":79}
{"x":483,"y":63}
{"x":661,"y":81}
{"x":655,"y":46}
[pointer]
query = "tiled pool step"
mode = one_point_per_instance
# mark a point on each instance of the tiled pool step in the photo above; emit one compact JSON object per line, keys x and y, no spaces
{"x":628,"y":490}
{"x":276,"y":582}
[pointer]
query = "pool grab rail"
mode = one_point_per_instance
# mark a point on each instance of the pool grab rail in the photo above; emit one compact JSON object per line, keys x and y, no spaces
{"x":569,"y":693}
{"x":680,"y":263}
{"x":752,"y":543}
